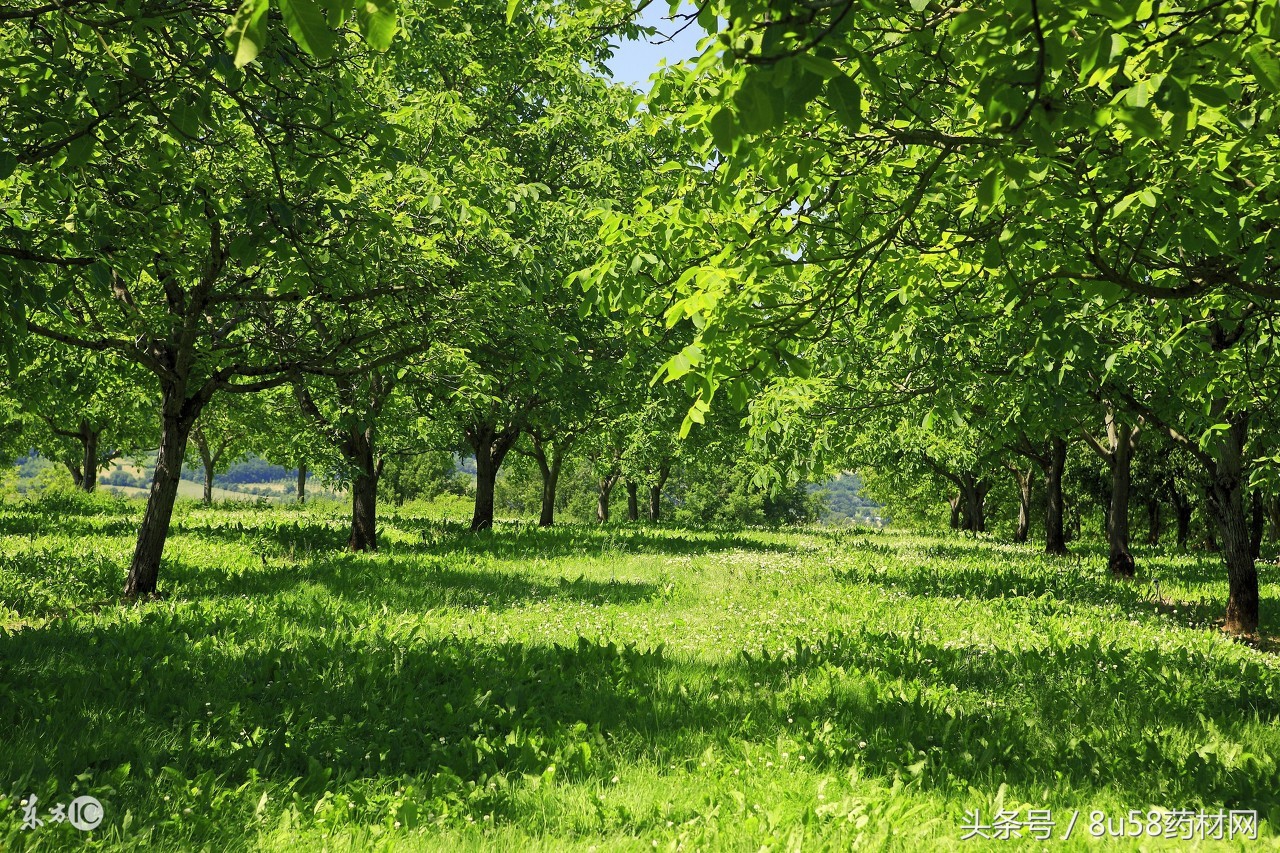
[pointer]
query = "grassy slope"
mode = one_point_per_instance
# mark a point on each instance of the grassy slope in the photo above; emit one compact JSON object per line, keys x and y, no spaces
{"x":565,"y":689}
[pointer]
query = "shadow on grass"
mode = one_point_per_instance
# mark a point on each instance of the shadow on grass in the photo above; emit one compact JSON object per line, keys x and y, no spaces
{"x":505,"y":541}
{"x":233,"y":696}
{"x":404,"y":583}
{"x":994,"y":574}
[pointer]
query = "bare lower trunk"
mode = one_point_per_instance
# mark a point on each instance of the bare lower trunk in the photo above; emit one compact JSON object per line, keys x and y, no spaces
{"x":1055,"y":540}
{"x":1153,"y":521}
{"x":176,"y":427}
{"x":550,"y":470}
{"x":364,"y":513}
{"x":1120,"y":559}
{"x":633,"y":501}
{"x":655,"y":493}
{"x":490,"y":446}
{"x":602,"y":498}
{"x":207,"y":460}
{"x":1226,"y":499}
{"x":89,"y":440}
{"x":486,"y":479}
{"x":302,"y":482}
{"x":77,"y":474}
{"x":973,"y":491}
{"x":1182,"y":510}
{"x":1023,"y":529}
{"x":1257,"y":520}
{"x":956,"y":504}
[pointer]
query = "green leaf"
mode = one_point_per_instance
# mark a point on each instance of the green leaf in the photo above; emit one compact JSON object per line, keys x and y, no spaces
{"x":307,"y":24}
{"x":8,"y":164}
{"x":724,"y":129}
{"x":512,"y":6}
{"x":248,"y":32}
{"x":1266,"y":67}
{"x":378,"y":23}
{"x":845,"y":97}
{"x":990,"y":190}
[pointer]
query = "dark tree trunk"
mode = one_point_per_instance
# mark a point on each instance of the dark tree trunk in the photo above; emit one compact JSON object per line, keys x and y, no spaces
{"x":633,"y":501}
{"x":956,"y":503}
{"x":655,"y":493}
{"x":1055,"y":540}
{"x":1120,"y":558}
{"x":178,"y":418}
{"x":1023,"y":479}
{"x":973,"y":491}
{"x":1257,"y":521}
{"x":208,"y":461}
{"x":89,"y":439}
{"x":1154,"y":521}
{"x":550,"y":469}
{"x":602,"y":499}
{"x":486,"y":480}
{"x":77,"y":474}
{"x":1182,"y":511}
{"x":490,"y":446}
{"x":1273,"y":510}
{"x":302,"y":482}
{"x":360,"y":455}
{"x":1226,"y":500}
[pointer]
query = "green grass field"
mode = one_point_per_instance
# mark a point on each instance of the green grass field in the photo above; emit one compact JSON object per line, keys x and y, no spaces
{"x":622,"y":688}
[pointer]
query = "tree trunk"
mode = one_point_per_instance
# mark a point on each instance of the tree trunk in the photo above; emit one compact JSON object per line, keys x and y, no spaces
{"x":178,"y":418}
{"x":633,"y":501}
{"x":89,"y":440}
{"x":77,"y":474}
{"x":1120,"y":559}
{"x":655,"y":493}
{"x":1023,"y":479}
{"x":1257,"y":521}
{"x":974,"y":490}
{"x":956,"y":503}
{"x":1226,"y":499}
{"x":1153,"y":520}
{"x":602,"y":499}
{"x":359,"y":452}
{"x":490,"y":446}
{"x":207,"y":461}
{"x":1273,"y":510}
{"x":302,"y":482}
{"x":1182,"y":510}
{"x":550,"y":469}
{"x":1055,"y":541}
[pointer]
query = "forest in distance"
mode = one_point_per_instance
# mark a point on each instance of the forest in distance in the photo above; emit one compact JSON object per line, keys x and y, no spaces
{"x":865,"y":433}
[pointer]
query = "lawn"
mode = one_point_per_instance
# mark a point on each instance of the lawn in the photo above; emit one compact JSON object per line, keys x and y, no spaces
{"x":630,"y":687}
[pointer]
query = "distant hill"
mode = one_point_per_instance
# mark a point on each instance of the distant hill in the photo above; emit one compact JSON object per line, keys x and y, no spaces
{"x":844,"y":503}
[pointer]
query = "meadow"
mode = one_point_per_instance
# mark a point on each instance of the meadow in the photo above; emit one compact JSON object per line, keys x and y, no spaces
{"x":632,"y":687}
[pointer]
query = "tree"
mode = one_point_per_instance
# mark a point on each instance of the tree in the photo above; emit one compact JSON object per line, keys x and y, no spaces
{"x":191,"y":230}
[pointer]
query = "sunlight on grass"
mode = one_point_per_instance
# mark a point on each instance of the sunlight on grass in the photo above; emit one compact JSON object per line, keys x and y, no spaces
{"x":628,"y":686}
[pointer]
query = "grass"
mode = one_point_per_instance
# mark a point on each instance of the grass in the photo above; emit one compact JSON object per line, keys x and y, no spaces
{"x":623,"y":688}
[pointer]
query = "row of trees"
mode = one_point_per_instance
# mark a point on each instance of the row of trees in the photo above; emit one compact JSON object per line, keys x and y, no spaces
{"x":961,"y":238}
{"x":914,"y":235}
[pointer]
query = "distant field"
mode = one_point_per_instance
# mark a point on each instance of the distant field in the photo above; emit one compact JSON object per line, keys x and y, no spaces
{"x":622,"y":688}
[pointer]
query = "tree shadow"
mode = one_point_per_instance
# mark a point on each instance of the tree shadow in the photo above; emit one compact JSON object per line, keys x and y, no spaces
{"x":235,"y":696}
{"x":998,"y":573}
{"x":403,"y":582}
{"x":512,"y":541}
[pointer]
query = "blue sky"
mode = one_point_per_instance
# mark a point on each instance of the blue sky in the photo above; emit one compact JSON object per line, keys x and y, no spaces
{"x":634,"y":61}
